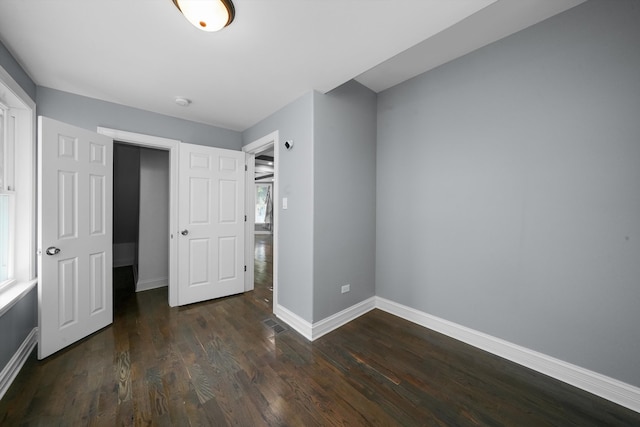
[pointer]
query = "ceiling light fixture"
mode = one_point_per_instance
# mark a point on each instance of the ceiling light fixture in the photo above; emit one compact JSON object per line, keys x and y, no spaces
{"x":208,"y":15}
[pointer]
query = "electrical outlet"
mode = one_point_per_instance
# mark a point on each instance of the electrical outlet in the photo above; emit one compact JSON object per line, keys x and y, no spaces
{"x":346,"y":288}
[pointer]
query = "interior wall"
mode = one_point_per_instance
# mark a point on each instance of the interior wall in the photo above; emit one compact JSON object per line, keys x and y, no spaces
{"x":89,"y":113}
{"x":16,"y":324}
{"x":344,"y":192}
{"x":153,"y":243}
{"x":11,"y":66}
{"x":507,"y":189}
{"x":295,"y":182}
{"x":126,"y":202}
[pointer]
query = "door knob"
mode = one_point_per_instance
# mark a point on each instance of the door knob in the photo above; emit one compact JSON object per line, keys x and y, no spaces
{"x":52,"y":250}
{"x":184,"y":232}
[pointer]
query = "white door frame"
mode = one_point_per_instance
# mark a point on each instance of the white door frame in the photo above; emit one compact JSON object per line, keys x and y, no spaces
{"x":170,"y":145}
{"x":251,"y":149}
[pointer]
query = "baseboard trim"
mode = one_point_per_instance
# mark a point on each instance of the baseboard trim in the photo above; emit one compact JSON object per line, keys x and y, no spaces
{"x":313,"y":331}
{"x":608,"y":388}
{"x":296,"y":322}
{"x":333,"y":322}
{"x":10,"y":371}
{"x":147,"y":285}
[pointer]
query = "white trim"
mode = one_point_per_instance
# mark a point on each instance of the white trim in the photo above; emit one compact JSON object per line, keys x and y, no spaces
{"x":296,"y":322}
{"x":261,"y":143}
{"x":14,"y":293}
{"x":25,"y":224}
{"x":254,"y":147}
{"x":593,"y":382}
{"x":18,"y":360}
{"x":249,"y":239}
{"x":333,"y":322}
{"x":316,"y":330}
{"x":147,"y":285}
{"x":172,"y":146}
{"x":606,"y":387}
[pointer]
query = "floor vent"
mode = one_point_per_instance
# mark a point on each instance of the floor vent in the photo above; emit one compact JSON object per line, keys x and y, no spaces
{"x":273,"y":324}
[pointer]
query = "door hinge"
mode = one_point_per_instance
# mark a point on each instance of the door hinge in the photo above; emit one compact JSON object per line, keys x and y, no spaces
{"x":245,"y":218}
{"x":245,"y":268}
{"x":246,"y":168}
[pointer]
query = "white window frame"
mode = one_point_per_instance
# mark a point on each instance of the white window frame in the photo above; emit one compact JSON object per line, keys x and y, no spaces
{"x":22,"y":192}
{"x":6,"y":189}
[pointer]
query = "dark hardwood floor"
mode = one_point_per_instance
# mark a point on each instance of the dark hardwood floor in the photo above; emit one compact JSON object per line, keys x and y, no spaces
{"x":230,"y":362}
{"x":263,"y":269}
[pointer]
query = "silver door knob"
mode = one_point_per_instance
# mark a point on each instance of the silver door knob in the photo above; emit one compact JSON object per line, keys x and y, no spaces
{"x":52,"y":250}
{"x":184,"y":232}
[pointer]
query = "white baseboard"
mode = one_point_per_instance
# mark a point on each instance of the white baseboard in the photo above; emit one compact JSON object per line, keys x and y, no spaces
{"x":147,"y":285}
{"x":296,"y":322}
{"x":10,"y":371}
{"x":608,"y":388}
{"x":333,"y":322}
{"x":316,"y":330}
{"x":593,"y":382}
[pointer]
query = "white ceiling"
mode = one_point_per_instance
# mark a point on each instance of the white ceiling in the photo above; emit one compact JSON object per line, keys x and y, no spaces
{"x":143,"y":53}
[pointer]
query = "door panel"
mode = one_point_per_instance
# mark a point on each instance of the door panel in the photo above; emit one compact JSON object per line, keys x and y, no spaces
{"x":211,"y":218}
{"x":75,"y":221}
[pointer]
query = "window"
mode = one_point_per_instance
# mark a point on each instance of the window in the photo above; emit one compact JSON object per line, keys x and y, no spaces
{"x":17,"y":163}
{"x":6,"y":198}
{"x":264,"y":209}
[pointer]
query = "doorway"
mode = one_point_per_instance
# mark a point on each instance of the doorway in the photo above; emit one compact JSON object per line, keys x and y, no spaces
{"x":141,"y":214}
{"x":263,"y":254}
{"x":263,"y":182}
{"x":171,"y":147}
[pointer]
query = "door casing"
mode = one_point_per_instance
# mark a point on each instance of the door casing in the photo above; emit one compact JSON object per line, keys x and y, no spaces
{"x":170,"y":145}
{"x":257,"y":146}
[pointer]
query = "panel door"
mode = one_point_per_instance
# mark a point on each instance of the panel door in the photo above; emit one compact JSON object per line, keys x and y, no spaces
{"x":211,"y":218}
{"x":75,"y":234}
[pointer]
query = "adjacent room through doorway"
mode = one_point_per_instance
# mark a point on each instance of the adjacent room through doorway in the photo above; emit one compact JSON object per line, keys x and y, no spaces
{"x":264,"y":182}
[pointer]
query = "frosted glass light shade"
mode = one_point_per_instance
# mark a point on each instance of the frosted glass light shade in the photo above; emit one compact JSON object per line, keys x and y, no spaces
{"x":207,"y":15}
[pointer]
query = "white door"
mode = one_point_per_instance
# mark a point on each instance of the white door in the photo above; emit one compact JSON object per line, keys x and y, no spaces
{"x":211,"y":220}
{"x":75,"y":231}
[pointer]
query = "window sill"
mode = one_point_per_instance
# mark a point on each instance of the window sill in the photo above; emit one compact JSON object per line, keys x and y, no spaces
{"x":11,"y":294}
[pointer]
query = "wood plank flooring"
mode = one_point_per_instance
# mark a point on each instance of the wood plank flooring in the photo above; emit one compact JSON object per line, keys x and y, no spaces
{"x":223,"y":363}
{"x":263,"y":269}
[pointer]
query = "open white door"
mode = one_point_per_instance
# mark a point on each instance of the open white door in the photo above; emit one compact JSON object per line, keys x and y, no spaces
{"x":211,"y":218}
{"x":75,"y":234}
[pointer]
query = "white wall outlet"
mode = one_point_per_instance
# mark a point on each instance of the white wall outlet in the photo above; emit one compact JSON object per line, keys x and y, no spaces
{"x":285,"y":203}
{"x":346,"y":288}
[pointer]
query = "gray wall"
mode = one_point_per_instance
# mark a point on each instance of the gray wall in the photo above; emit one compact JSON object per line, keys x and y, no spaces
{"x":20,"y":319}
{"x":295,"y":181}
{"x":11,"y":66}
{"x":16,"y":324}
{"x":126,"y":193}
{"x":344,"y":193}
{"x":89,"y":113}
{"x":153,"y":242}
{"x":508,"y":194}
{"x":327,"y":234}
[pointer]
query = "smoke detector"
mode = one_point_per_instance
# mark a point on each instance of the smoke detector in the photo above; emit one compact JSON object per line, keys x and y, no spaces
{"x":183,"y":102}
